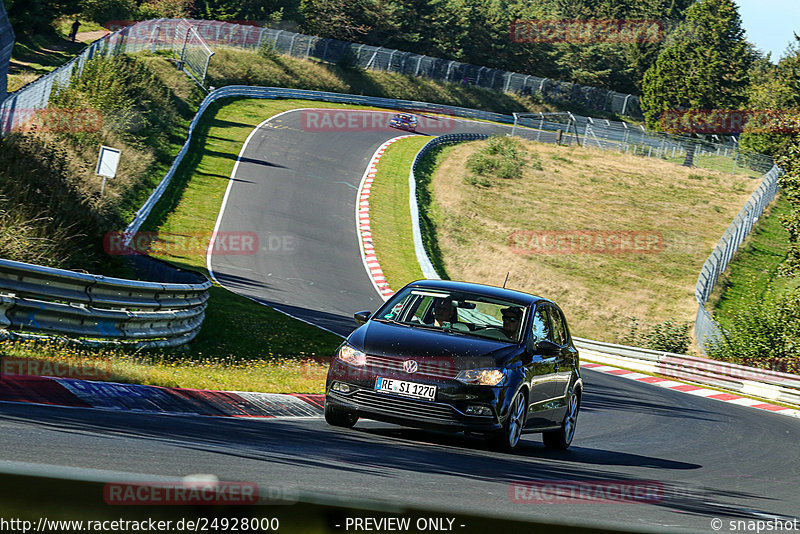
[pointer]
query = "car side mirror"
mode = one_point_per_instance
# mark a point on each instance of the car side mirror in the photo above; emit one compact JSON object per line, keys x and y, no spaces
{"x":547,"y":348}
{"x":362,"y":317}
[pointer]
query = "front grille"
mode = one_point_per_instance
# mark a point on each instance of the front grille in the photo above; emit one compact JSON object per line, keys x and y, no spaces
{"x":436,"y":367}
{"x":402,"y":407}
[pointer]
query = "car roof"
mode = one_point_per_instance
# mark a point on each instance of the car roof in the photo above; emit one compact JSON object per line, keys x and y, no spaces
{"x":481,"y":289}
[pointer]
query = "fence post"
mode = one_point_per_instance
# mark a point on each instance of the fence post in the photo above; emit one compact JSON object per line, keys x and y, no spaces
{"x":325,"y":50}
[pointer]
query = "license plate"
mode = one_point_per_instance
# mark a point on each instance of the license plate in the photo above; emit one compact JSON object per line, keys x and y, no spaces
{"x":408,"y":389}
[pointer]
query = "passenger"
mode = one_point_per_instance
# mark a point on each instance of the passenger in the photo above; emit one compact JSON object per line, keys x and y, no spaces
{"x":444,"y":312}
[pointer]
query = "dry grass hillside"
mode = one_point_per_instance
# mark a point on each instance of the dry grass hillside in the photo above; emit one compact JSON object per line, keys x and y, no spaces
{"x":489,"y":226}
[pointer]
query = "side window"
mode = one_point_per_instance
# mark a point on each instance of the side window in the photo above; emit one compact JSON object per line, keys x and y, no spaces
{"x":540,"y":325}
{"x":559,"y":328}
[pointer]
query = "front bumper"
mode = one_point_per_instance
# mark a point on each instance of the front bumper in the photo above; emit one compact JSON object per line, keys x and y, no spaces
{"x":405,"y":411}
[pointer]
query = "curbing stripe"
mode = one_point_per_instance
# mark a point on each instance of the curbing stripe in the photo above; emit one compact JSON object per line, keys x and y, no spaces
{"x":692,"y":389}
{"x":156,"y":399}
{"x":368,"y":256}
{"x":180,"y":401}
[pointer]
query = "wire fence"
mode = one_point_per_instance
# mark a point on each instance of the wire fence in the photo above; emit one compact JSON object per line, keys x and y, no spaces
{"x":718,"y":155}
{"x":387,"y":59}
{"x":190,"y":42}
{"x":706,"y":329}
{"x":152,"y":35}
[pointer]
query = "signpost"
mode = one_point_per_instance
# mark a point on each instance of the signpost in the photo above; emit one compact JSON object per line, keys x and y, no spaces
{"x":107,"y":163}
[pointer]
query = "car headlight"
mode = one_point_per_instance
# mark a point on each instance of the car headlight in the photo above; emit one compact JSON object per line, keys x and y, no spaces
{"x":482,"y":377}
{"x":352,"y":356}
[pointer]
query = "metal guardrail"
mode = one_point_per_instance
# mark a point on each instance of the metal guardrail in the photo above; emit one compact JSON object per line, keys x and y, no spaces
{"x":45,"y":300}
{"x":428,"y":271}
{"x":763,"y":383}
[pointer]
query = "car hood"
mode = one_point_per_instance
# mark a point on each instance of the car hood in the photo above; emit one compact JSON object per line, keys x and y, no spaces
{"x":398,"y":341}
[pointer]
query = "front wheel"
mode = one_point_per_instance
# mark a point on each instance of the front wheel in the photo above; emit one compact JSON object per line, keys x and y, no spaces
{"x":508,"y":438}
{"x":337,"y":417}
{"x":560,"y":439}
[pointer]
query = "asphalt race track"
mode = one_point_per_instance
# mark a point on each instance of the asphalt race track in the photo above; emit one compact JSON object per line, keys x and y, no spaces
{"x":297,"y":190}
{"x":712,"y":459}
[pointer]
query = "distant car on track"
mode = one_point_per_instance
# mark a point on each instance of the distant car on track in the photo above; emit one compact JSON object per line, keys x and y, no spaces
{"x":404,"y":121}
{"x":464,"y":357}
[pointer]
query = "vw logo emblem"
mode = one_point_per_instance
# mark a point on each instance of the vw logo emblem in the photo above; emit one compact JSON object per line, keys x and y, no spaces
{"x":410,"y":366}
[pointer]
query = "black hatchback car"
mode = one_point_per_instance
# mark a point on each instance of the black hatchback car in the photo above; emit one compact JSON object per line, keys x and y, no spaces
{"x":464,"y":357}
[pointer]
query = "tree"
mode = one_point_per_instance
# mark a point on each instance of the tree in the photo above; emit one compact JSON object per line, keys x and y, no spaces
{"x":790,"y":189}
{"x":775,"y":88}
{"x":705,"y":66}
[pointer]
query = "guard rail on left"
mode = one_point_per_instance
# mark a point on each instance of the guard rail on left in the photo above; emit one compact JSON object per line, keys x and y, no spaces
{"x":44,"y":300}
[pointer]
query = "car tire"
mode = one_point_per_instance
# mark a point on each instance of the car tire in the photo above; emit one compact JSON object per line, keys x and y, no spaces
{"x":509,"y":436}
{"x":337,"y":417}
{"x":560,"y":439}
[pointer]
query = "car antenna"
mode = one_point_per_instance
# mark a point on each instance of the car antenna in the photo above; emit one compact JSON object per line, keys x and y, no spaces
{"x":506,"y":280}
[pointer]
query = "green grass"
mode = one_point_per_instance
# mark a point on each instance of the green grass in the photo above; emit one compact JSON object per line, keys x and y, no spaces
{"x":230,"y":66}
{"x":390,"y":219}
{"x":37,"y":56}
{"x":271,"y":374}
{"x":754,"y":268}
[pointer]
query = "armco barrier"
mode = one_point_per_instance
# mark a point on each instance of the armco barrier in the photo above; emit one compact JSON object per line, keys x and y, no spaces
{"x":762,"y":383}
{"x":419,"y":248}
{"x":44,"y":300}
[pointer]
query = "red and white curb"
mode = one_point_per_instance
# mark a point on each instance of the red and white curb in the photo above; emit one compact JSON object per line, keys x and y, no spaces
{"x":691,"y":389}
{"x":155,"y":399}
{"x":368,"y":255}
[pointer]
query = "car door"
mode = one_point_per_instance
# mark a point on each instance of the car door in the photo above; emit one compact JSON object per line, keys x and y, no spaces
{"x":567,"y":354}
{"x":541,"y":370}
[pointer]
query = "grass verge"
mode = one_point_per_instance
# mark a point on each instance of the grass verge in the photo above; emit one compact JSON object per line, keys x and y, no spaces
{"x":195,"y":370}
{"x":754,"y":268}
{"x":390,"y":219}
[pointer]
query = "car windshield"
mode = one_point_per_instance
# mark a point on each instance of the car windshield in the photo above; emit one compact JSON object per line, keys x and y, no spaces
{"x":456,"y":312}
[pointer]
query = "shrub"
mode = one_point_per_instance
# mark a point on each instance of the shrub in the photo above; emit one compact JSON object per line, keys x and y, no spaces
{"x":669,"y":336}
{"x":763,"y":332}
{"x":501,"y":156}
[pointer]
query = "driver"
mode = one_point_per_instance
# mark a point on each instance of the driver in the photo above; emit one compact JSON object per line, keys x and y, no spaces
{"x":511,"y":317}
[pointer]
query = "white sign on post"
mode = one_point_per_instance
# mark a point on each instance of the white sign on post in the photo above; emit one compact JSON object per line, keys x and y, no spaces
{"x":107,"y":163}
